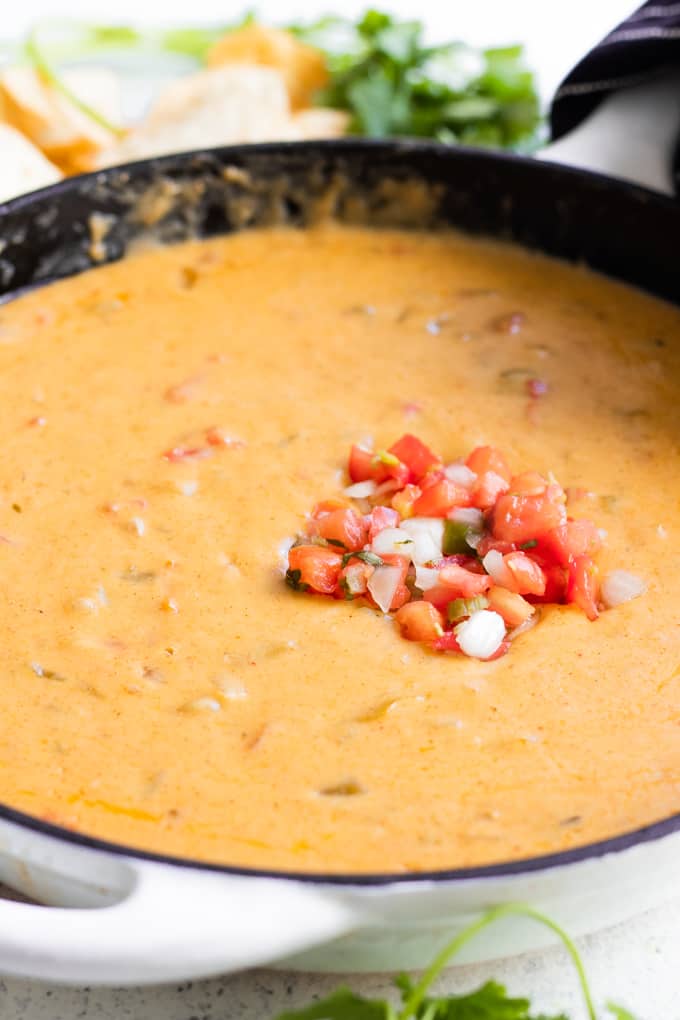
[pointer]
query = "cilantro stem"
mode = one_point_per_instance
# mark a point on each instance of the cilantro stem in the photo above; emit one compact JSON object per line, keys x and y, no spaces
{"x":490,"y":917}
{"x":44,"y":67}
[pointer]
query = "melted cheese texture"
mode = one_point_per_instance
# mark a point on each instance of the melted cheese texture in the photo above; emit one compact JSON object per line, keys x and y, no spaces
{"x":163,"y":688}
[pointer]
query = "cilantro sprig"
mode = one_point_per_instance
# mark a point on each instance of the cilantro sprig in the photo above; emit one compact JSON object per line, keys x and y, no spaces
{"x":489,"y":1002}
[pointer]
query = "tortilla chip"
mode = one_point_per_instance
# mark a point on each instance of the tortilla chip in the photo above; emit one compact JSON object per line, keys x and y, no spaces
{"x":216,"y":107}
{"x":23,"y":166}
{"x":319,"y":122}
{"x":303,"y":68}
{"x":66,"y":135}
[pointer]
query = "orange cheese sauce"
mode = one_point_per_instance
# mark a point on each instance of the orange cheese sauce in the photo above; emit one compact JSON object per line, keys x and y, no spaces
{"x":163,"y":688}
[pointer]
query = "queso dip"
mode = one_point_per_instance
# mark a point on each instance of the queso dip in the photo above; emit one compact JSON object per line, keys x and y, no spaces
{"x":162,"y":687}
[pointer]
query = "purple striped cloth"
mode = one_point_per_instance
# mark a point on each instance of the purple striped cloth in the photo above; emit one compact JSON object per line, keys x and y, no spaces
{"x":647,"y":42}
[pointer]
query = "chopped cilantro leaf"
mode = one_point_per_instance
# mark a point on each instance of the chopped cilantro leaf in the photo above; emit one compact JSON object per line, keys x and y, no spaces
{"x":367,"y":557}
{"x":294,"y":582}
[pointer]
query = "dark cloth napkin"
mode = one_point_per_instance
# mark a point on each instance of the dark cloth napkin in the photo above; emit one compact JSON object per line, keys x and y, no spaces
{"x":637,"y":49}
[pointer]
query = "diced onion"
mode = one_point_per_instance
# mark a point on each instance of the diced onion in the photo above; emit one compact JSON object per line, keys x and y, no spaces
{"x":393,"y":541}
{"x":496,"y":569}
{"x":282,"y":550}
{"x":428,"y":535}
{"x":461,"y":475}
{"x":230,"y":688}
{"x":201,"y":705}
{"x":138,"y":525}
{"x":481,"y":635}
{"x":620,"y":586}
{"x":187,"y":487}
{"x":467,"y":515}
{"x":382,"y":585}
{"x":361,"y":490}
{"x":426,"y":577}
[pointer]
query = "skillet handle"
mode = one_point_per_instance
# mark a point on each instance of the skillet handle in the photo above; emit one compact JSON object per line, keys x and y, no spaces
{"x":632,"y":134}
{"x":172,"y":924}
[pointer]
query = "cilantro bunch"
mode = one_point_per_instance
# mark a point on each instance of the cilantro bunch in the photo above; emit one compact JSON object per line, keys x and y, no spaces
{"x":392,"y":83}
{"x":489,"y":1002}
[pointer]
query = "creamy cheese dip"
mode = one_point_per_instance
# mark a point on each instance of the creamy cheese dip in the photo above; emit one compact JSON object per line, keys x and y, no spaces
{"x":161,"y":685}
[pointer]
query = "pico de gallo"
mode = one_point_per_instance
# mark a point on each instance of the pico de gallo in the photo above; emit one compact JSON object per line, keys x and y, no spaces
{"x":462,"y":554}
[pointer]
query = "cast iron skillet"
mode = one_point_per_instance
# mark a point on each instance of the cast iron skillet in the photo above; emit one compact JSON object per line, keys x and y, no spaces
{"x":613,"y":226}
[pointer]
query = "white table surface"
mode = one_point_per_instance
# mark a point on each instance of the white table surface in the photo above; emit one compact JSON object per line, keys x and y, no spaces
{"x":636,"y":964}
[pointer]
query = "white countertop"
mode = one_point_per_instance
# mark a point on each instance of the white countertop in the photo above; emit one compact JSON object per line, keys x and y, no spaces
{"x":636,"y":964}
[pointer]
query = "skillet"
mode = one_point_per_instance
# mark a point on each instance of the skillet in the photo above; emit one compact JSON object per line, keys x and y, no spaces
{"x":121,"y":916}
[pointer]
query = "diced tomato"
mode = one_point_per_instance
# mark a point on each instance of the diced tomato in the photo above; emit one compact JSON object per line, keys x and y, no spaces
{"x":327,"y":506}
{"x":488,"y":542}
{"x":465,"y":583}
{"x":447,"y":642}
{"x":386,"y":466}
{"x":180,"y":453}
{"x":344,"y":526}
{"x":511,"y":606}
{"x":518,"y":517}
{"x":402,"y":594}
{"x":527,"y":574}
{"x":403,"y":500}
{"x":431,"y":478}
{"x":460,"y":560}
{"x":571,"y":540}
{"x":537,"y":388}
{"x":381,"y":517}
{"x":216,"y":436}
{"x":456,"y":582}
{"x":489,"y":458}
{"x":415,"y":454}
{"x":360,"y":467}
{"x":437,"y":499}
{"x":486,"y":490}
{"x":318,"y":565}
{"x":420,"y":621}
{"x":353,"y":579}
{"x":555,"y":585}
{"x":582,"y":586}
{"x":529,"y":483}
{"x":439,"y":595}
